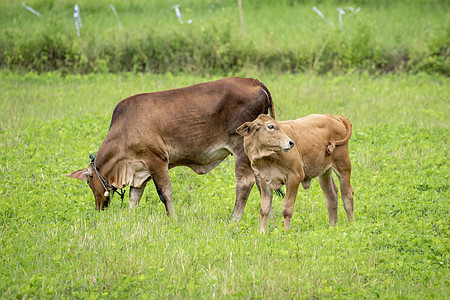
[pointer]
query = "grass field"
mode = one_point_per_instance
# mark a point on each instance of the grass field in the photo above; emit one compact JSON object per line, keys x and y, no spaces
{"x":54,"y":244}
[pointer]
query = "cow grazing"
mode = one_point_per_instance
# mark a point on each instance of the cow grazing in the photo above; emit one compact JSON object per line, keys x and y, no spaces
{"x":193,"y":126}
{"x":293,"y":152}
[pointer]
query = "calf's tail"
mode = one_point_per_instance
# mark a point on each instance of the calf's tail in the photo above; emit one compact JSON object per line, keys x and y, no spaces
{"x":333,"y":144}
{"x":348,"y":126}
{"x":280,"y":193}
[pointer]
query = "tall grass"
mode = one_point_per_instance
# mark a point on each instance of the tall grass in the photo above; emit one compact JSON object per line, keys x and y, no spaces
{"x":55,"y":245}
{"x":280,"y":35}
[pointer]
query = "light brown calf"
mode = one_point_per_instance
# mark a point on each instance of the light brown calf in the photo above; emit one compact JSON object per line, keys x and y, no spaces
{"x":293,"y":152}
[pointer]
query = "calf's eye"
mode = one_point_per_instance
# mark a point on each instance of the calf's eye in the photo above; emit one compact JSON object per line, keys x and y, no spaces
{"x":271,"y":127}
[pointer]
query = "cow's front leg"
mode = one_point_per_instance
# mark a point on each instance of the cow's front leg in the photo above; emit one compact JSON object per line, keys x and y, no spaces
{"x":289,"y":201}
{"x":162,"y":183}
{"x":136,"y":195}
{"x":266,"y":204}
{"x":245,"y":179}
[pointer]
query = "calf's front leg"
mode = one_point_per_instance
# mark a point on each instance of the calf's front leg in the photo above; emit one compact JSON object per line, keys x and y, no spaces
{"x":288,"y":203}
{"x":266,"y":204}
{"x":245,"y":178}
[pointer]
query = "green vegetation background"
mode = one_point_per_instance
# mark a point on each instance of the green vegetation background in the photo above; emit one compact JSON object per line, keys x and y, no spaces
{"x":284,"y":35}
{"x":53,"y":243}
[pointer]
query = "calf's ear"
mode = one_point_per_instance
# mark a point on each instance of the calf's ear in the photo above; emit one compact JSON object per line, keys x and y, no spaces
{"x":245,"y":129}
{"x":82,"y":174}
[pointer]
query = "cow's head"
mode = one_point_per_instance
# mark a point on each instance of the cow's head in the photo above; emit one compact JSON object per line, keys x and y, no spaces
{"x":263,"y":137}
{"x":100,"y":193}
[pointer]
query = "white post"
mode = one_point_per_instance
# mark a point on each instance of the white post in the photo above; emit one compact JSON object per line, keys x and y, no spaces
{"x":76,"y":16}
{"x":31,"y":10}
{"x":241,"y":13}
{"x":177,"y":12}
{"x":341,"y":13}
{"x":117,"y":16}
{"x":322,"y":16}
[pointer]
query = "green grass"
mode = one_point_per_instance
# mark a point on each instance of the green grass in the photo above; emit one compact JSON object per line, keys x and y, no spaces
{"x":384,"y":36}
{"x":54,"y":244}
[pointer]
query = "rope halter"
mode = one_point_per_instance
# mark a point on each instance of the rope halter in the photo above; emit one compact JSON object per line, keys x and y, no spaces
{"x":105,"y":183}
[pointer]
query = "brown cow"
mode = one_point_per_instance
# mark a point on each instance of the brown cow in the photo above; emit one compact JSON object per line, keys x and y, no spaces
{"x":290,"y":152}
{"x":193,"y":126}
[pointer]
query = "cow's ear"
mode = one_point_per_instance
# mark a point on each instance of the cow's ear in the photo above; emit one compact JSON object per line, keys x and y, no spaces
{"x":245,"y":129}
{"x":82,"y":174}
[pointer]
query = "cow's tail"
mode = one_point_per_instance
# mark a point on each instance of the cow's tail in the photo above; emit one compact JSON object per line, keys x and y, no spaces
{"x":269,"y":98}
{"x":348,"y":126}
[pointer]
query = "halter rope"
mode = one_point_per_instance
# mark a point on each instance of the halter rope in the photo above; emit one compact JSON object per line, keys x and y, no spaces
{"x":105,"y":183}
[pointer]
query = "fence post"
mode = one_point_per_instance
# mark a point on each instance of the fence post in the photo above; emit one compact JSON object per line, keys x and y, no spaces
{"x":241,"y":13}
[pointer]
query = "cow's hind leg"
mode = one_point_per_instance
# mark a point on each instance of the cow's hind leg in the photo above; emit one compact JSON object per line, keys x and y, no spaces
{"x":245,"y":179}
{"x":330,"y":192}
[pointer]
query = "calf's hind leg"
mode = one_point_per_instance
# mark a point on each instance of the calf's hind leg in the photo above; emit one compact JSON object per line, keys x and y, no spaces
{"x":330,"y":191}
{"x":347,"y":194}
{"x":343,"y":170}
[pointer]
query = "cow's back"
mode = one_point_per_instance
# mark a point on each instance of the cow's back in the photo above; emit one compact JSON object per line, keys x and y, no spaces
{"x":186,"y":121}
{"x":199,"y":103}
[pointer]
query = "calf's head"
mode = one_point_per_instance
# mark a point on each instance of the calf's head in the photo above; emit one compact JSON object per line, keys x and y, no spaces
{"x":100,"y":193}
{"x":263,"y":137}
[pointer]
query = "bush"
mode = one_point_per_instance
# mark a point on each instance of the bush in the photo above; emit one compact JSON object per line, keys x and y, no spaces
{"x":280,"y":36}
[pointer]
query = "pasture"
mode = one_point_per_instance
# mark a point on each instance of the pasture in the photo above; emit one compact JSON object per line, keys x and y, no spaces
{"x":55,"y":245}
{"x":386,"y":69}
